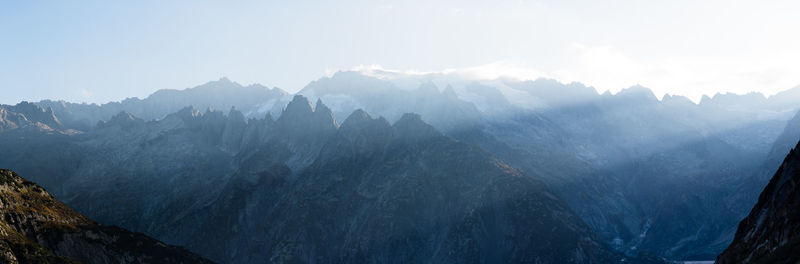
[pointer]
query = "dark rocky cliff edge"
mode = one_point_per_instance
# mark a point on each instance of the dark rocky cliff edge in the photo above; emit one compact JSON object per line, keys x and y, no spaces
{"x":36,"y":228}
{"x":771,"y":233}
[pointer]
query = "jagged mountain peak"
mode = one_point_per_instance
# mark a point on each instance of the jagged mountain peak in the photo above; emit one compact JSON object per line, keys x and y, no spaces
{"x":188,"y":116}
{"x":320,"y":106}
{"x":785,"y":100}
{"x":236,"y":115}
{"x":269,"y":117}
{"x":638,"y":92}
{"x":27,"y":107}
{"x":300,"y":122}
{"x":36,"y":113}
{"x":360,"y":119}
{"x":212,"y":112}
{"x":554,"y":93}
{"x":734,"y":100}
{"x":358,"y":116}
{"x":790,"y":94}
{"x":323,"y":114}
{"x":221,"y":83}
{"x":122,"y":119}
{"x":412,"y":125}
{"x":188,"y":111}
{"x":234,"y":128}
{"x":298,"y":106}
{"x":410,"y":118}
{"x":677,"y":100}
{"x":347,"y":82}
{"x":10,"y":120}
{"x":449,"y":92}
{"x":301,"y":110}
{"x":262,"y":87}
{"x":123,"y":116}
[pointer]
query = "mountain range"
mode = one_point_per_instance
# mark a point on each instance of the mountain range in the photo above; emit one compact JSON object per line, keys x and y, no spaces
{"x":612,"y":176}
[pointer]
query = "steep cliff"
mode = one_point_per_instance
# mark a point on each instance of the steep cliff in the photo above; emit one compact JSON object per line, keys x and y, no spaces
{"x":771,"y":233}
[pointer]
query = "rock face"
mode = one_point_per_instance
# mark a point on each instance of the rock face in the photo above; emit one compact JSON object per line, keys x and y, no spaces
{"x":10,"y":120}
{"x":35,"y":228}
{"x":34,"y":113}
{"x":771,"y":233}
{"x":28,"y":116}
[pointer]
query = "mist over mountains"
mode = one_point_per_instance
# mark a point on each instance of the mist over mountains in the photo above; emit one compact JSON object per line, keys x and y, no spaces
{"x":412,"y":168}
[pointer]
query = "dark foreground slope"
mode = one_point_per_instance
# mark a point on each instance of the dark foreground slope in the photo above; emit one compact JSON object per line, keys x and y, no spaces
{"x":35,"y":228}
{"x":771,"y":233}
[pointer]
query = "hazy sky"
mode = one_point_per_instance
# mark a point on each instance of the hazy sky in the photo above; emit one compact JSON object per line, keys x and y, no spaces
{"x":97,"y":51}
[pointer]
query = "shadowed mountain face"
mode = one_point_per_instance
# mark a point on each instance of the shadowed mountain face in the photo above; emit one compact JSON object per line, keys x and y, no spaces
{"x":771,"y":233}
{"x":400,"y":193}
{"x":35,"y":228}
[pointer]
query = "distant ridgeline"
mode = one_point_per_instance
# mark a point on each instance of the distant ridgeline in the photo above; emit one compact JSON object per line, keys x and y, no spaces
{"x":500,"y":171}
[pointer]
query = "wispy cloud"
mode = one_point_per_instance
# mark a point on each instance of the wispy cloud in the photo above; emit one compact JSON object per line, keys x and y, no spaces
{"x":86,"y":93}
{"x":609,"y":69}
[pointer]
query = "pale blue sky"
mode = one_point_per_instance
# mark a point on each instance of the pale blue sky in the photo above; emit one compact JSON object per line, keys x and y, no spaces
{"x":97,"y":51}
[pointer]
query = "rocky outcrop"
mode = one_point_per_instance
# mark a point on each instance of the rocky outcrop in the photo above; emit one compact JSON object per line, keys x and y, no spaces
{"x":300,"y":116}
{"x":123,"y":120}
{"x":35,"y":228}
{"x":10,"y":120}
{"x":771,"y":233}
{"x":35,"y":113}
{"x":303,"y":130}
{"x":234,"y":128}
{"x":28,"y":116}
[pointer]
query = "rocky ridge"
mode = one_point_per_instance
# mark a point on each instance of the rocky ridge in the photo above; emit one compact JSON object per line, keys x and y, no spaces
{"x":771,"y":232}
{"x":35,"y":228}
